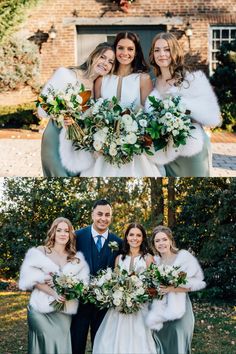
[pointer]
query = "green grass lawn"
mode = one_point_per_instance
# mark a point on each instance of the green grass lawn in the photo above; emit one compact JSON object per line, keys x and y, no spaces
{"x":214,"y":327}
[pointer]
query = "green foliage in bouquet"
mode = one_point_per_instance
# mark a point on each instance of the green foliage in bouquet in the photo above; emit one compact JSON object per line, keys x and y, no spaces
{"x":223,"y":80}
{"x":67,"y":286}
{"x":117,"y":289}
{"x":117,"y":133}
{"x":169,"y":122}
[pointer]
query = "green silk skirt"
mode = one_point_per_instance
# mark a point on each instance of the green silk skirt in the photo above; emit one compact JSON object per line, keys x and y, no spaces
{"x":49,"y":333}
{"x":194,"y":166}
{"x":175,"y":337}
{"x":51,"y":162}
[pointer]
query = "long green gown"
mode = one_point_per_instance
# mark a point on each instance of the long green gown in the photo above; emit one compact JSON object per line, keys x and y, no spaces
{"x":194,"y":166}
{"x":49,"y":333}
{"x":51,"y":162}
{"x":175,"y":337}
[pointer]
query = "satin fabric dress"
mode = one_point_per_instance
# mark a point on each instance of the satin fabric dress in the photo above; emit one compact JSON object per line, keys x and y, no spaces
{"x":50,"y":157}
{"x":49,"y":333}
{"x":141,"y":165}
{"x":125,"y":333}
{"x":175,"y":337}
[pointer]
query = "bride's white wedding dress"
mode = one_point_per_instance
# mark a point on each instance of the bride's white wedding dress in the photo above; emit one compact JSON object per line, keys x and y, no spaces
{"x":125,"y":333}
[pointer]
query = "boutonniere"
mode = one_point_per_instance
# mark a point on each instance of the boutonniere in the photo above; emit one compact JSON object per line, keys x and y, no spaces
{"x":113,"y":246}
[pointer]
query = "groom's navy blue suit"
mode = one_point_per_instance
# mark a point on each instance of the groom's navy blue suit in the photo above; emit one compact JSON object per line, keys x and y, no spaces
{"x":88,"y":315}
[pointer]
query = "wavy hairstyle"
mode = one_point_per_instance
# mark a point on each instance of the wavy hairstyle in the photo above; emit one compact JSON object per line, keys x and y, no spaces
{"x":139,"y":64}
{"x":178,"y":68}
{"x":70,"y":247}
{"x":166,"y":230}
{"x":144,"y":248}
{"x":86,"y":67}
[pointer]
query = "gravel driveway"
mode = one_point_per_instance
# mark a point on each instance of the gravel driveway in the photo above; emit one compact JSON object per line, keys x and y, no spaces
{"x":21,"y":158}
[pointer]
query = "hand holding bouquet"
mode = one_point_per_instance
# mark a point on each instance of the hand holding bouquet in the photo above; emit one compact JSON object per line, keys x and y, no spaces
{"x":163,"y":275}
{"x":67,"y":288}
{"x":170,"y":122}
{"x":71,"y":102}
{"x":118,"y":289}
{"x":115,"y":132}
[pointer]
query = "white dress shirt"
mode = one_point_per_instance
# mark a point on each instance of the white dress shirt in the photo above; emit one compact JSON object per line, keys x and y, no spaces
{"x":95,"y":234}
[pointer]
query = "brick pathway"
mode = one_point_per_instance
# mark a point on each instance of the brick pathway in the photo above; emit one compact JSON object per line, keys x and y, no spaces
{"x":20,"y":154}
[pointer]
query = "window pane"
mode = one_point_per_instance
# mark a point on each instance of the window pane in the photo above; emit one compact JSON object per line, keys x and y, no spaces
{"x":216,"y":45}
{"x":233,"y":33}
{"x":216,"y":34}
{"x":225,"y":33}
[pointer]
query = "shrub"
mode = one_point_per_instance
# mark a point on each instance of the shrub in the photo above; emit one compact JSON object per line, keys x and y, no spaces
{"x":19,"y":64}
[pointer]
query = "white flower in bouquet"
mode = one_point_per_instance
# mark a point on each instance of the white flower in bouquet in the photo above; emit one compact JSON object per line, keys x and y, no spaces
{"x":131,"y":138}
{"x":127,"y":119}
{"x":97,"y":144}
{"x":113,"y":151}
{"x":143,"y":123}
{"x":133,"y":127}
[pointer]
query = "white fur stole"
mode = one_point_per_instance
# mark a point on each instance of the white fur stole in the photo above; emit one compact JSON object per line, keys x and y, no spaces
{"x":73,"y":160}
{"x":36,"y":268}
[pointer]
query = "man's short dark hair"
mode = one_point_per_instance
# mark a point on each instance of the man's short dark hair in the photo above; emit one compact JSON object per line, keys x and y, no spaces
{"x":101,"y":202}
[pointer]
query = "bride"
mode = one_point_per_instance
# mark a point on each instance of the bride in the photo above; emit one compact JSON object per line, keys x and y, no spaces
{"x":131,"y":84}
{"x":127,"y":333}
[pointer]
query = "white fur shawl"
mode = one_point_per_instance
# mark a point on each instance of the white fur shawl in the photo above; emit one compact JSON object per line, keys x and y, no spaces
{"x":73,"y":160}
{"x":173,"y":305}
{"x":36,"y":268}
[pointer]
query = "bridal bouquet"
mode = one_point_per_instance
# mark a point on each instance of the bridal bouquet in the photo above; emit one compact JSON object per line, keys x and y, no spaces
{"x":115,"y":132}
{"x":68,"y":286}
{"x":169,"y":122}
{"x":118,"y":289}
{"x":166,"y":275}
{"x":71,"y":102}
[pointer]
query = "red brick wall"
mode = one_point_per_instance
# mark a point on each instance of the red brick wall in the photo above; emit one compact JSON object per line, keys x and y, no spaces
{"x":61,"y":52}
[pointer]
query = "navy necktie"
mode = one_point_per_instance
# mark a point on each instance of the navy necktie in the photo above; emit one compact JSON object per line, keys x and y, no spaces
{"x":99,"y":242}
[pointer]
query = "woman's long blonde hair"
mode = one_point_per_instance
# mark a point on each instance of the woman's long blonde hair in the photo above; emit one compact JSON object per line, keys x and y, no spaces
{"x":70,"y":247}
{"x":178,"y":68}
{"x":166,"y":230}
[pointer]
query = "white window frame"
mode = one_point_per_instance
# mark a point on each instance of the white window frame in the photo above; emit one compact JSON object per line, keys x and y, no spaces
{"x":211,"y":39}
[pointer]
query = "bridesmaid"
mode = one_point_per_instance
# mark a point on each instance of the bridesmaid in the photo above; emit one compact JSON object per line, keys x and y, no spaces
{"x":99,"y":63}
{"x":49,"y":331}
{"x":175,"y":335}
{"x":174,"y":79}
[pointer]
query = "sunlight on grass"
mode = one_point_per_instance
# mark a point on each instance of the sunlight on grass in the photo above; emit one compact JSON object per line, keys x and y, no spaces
{"x":214,"y":328}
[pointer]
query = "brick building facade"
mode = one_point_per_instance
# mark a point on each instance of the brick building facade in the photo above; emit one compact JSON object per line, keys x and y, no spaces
{"x":77,"y":23}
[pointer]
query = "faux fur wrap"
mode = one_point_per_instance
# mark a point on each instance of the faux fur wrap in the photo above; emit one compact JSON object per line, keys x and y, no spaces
{"x":73,"y":160}
{"x":172,"y":306}
{"x":36,"y":268}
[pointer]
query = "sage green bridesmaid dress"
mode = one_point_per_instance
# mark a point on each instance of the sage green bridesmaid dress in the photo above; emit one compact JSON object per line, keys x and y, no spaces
{"x":49,"y":333}
{"x":175,"y":337}
{"x":50,"y":158}
{"x":194,"y":166}
{"x":51,"y":162}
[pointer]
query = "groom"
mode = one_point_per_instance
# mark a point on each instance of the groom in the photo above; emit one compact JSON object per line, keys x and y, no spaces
{"x":93,"y":241}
